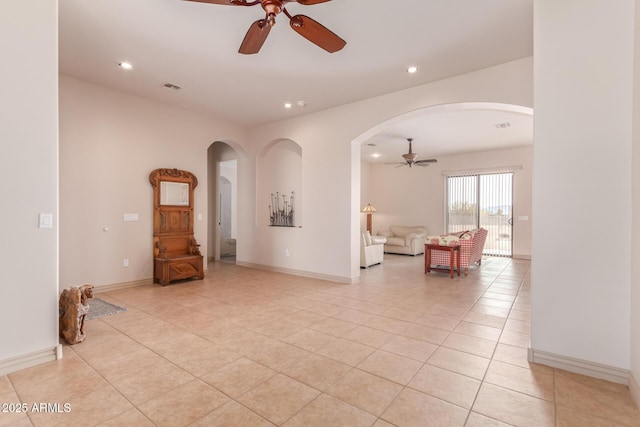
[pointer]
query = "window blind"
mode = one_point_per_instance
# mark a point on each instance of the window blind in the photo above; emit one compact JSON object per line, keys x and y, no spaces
{"x":482,"y":200}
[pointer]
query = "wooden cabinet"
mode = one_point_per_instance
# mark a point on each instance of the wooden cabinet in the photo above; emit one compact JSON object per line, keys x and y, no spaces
{"x":176,"y":253}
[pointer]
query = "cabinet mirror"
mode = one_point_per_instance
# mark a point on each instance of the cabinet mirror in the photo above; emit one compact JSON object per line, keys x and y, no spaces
{"x":174,"y":193}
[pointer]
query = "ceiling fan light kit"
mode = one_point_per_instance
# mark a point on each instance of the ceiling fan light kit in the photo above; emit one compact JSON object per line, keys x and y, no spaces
{"x":308,"y":28}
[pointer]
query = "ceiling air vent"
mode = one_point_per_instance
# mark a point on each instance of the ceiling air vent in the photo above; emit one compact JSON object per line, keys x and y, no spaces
{"x":171,"y":86}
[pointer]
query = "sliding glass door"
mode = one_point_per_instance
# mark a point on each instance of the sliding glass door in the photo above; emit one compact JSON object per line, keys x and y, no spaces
{"x":462,"y":203}
{"x":483,"y":200}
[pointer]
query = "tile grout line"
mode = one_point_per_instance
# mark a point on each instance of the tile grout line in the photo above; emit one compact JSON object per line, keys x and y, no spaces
{"x":482,"y":381}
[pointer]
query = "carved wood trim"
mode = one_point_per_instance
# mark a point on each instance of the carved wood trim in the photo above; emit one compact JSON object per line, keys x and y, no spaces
{"x":175,"y":175}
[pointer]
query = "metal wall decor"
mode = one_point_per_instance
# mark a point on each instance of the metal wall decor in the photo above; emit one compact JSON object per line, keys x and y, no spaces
{"x":282,"y":210}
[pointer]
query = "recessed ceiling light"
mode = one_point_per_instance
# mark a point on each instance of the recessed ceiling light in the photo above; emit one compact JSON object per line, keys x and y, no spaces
{"x":301,"y":103}
{"x":125,"y":65}
{"x":413,"y":69}
{"x":376,"y":155}
{"x":287,"y":105}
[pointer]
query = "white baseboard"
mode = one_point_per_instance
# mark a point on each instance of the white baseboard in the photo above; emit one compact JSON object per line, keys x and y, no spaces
{"x":119,"y":286}
{"x":521,"y":256}
{"x":125,"y":285}
{"x":578,"y":366}
{"x":301,"y":273}
{"x":28,"y":360}
{"x":634,"y":388}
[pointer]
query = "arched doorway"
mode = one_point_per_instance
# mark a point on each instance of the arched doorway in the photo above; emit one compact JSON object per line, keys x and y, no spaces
{"x":222,"y":200}
{"x":449,"y":133}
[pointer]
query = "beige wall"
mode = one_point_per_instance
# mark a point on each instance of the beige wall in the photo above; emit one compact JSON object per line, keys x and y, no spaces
{"x":110,"y":142}
{"x":29,"y":170}
{"x":416,"y":196}
{"x":582,"y":183}
{"x":366,"y":196}
{"x":328,"y":244}
{"x":634,"y":385}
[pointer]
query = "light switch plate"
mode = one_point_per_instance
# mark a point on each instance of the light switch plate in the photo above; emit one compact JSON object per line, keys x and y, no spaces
{"x":130,"y":217}
{"x":46,"y":220}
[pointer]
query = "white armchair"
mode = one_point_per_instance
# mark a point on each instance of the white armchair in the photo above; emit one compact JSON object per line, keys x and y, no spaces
{"x":371,"y":250}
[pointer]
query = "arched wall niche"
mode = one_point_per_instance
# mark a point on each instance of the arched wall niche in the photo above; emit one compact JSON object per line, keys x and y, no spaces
{"x":279,"y":187}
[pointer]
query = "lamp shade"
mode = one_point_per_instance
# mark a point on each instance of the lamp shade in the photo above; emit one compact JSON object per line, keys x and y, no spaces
{"x":369,"y":208}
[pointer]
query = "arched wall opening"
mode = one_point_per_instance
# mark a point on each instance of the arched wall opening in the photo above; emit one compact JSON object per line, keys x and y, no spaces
{"x":415,"y":196}
{"x":223,"y":169}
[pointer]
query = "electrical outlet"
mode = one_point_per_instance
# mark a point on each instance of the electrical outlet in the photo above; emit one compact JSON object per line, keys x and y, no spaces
{"x":286,"y":252}
{"x":125,"y":262}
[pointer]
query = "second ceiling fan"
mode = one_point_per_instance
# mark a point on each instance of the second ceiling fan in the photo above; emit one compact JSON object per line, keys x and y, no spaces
{"x":410,"y":158}
{"x":308,"y":28}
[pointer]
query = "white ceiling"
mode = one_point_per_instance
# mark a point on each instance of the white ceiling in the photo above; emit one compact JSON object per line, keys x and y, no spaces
{"x":194,"y":45}
{"x":451,"y":129}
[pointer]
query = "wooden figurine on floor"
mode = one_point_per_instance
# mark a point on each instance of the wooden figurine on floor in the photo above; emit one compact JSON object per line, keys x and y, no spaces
{"x":73,"y":308}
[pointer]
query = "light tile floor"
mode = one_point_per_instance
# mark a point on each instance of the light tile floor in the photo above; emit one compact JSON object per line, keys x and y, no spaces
{"x":247,"y":347}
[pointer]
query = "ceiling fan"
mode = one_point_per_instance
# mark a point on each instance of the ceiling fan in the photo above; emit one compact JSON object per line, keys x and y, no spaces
{"x":410,"y":158}
{"x":258,"y":31}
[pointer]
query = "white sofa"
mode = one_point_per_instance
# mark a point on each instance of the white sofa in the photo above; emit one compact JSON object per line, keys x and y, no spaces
{"x":371,"y":250}
{"x":403,"y":239}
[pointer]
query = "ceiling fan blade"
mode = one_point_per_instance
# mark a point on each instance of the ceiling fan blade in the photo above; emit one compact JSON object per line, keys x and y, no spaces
{"x":255,"y":37}
{"x":426,"y":161}
{"x":310,"y":2}
{"x":225,"y":2}
{"x":316,"y":33}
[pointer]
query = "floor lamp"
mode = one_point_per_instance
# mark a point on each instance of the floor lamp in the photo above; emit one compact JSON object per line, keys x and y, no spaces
{"x":369,"y":210}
